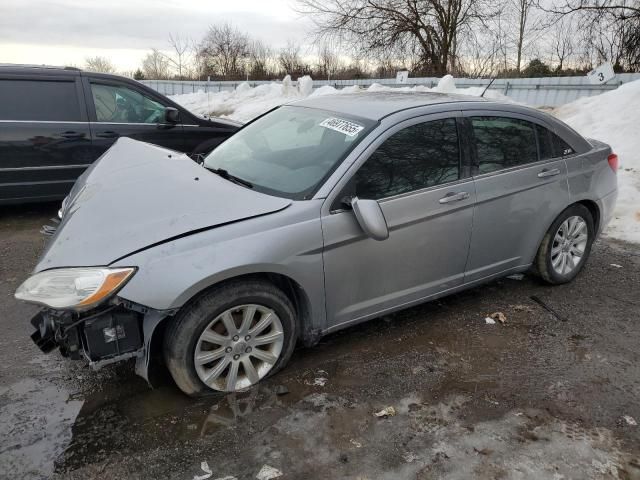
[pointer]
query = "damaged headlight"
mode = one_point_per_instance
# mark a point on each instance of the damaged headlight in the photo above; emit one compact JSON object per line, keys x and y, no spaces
{"x":73,"y":288}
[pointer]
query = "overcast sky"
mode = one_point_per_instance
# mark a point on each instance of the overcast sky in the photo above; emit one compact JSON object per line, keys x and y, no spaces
{"x":65,"y":32}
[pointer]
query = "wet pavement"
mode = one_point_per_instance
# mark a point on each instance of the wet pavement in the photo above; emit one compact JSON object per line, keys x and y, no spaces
{"x":541,"y":396}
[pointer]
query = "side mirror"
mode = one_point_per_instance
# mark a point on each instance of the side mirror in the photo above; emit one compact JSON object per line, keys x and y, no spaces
{"x":171,"y":115}
{"x":370,"y":217}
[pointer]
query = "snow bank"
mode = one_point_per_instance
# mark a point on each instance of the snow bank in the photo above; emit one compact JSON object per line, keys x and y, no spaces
{"x":614,"y":118}
{"x":246,"y":102}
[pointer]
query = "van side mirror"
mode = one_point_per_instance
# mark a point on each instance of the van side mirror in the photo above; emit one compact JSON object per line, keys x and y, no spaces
{"x":370,"y":217}
{"x":171,"y":115}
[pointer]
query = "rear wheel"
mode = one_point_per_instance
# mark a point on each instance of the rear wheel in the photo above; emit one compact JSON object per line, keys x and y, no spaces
{"x":230,"y":338}
{"x":566,"y":246}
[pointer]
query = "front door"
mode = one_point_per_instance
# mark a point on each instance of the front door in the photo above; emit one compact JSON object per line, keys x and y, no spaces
{"x":118,"y":110}
{"x":414,"y":172}
{"x":521,"y":187}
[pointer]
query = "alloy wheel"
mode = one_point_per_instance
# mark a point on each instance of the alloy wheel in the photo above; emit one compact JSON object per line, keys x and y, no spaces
{"x":239,"y":347}
{"x":569,"y":245}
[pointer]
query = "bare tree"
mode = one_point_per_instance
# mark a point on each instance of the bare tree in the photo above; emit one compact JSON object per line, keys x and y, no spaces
{"x":179,"y":59}
{"x":485,"y":52}
{"x":198,"y":61}
{"x":562,"y":42}
{"x":289,"y":58}
{"x":611,"y":28}
{"x":155,"y":65}
{"x":621,"y":9}
{"x":260,"y":61}
{"x":523,"y":8}
{"x":328,"y":60}
{"x":429,"y":27}
{"x":224,"y":51}
{"x":99,"y":64}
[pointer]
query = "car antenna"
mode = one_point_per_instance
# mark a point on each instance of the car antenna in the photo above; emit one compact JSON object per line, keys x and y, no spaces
{"x":487,"y":87}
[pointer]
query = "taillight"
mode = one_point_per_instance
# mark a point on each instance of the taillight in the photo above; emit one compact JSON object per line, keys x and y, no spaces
{"x":613,"y":162}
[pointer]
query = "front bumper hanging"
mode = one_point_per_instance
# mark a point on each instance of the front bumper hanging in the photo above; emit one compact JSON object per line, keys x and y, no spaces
{"x":112,"y":333}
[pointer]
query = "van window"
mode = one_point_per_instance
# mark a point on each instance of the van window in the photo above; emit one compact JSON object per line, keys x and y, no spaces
{"x":119,"y":104}
{"x":39,"y":100}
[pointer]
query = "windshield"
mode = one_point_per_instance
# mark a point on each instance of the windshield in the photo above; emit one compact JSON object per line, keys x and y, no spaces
{"x":289,"y":151}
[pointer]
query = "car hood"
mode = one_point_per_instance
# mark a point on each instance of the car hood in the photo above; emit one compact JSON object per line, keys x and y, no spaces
{"x":138,"y":195}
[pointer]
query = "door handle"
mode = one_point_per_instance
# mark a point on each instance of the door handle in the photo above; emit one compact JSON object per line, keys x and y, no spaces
{"x":107,"y":134}
{"x":549,"y":173}
{"x":71,"y":134}
{"x":454,"y":197}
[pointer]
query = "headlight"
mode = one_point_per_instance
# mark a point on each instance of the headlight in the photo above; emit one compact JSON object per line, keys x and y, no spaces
{"x":73,"y":288}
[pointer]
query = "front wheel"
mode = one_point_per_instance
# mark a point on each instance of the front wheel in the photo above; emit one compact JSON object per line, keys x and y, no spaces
{"x":566,"y":246}
{"x":230,"y":338}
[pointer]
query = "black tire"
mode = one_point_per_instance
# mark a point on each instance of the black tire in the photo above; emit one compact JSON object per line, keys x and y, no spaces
{"x":185,"y":329}
{"x":543,"y":262}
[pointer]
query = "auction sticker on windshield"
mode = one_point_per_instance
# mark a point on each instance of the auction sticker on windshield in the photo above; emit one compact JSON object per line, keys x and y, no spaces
{"x":350,"y":129}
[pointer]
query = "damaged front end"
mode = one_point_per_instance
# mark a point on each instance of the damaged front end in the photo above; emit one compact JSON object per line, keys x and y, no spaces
{"x":102,"y":336}
{"x":85,"y":319}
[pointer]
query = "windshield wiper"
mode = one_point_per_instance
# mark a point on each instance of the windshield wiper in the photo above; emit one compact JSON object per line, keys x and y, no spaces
{"x":227,"y":176}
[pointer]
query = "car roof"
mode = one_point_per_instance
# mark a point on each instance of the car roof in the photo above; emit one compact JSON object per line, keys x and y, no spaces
{"x":377,"y":105}
{"x":18,"y":69}
{"x":37,"y":69}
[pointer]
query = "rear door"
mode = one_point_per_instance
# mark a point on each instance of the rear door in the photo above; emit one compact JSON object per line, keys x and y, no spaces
{"x":44,"y":136}
{"x":520,"y":186}
{"x":119,"y":109}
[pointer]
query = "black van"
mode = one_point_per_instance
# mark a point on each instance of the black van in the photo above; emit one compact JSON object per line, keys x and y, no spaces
{"x":55,"y":121}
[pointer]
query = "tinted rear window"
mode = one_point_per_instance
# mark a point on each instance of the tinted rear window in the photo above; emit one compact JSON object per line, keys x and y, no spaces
{"x":503,"y":142}
{"x":38,"y":100}
{"x":544,"y":143}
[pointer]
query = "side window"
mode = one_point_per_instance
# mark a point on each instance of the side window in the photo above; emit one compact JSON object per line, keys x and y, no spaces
{"x":39,"y":100}
{"x":416,"y":157}
{"x":117,"y":104}
{"x":544,"y":143}
{"x":560,"y":147}
{"x":503,"y":142}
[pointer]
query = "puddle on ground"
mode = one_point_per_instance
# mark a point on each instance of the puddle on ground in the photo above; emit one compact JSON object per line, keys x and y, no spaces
{"x":165,"y":416}
{"x":35,"y":427}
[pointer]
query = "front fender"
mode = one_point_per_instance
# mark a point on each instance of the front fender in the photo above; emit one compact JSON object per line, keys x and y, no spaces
{"x":170,"y":274}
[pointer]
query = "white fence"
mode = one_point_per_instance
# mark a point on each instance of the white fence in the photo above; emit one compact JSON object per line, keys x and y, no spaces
{"x":545,"y":91}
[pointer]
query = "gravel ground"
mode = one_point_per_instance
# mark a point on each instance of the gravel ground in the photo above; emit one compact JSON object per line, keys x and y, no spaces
{"x":541,"y":396}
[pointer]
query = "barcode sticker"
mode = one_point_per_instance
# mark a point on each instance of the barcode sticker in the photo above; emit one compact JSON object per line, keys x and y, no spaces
{"x":345,"y":127}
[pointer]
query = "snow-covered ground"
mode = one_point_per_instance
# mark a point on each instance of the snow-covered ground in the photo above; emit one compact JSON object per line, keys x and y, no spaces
{"x":612,"y":117}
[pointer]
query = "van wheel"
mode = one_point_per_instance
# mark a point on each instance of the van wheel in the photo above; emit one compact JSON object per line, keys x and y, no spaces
{"x":230,"y":338}
{"x":566,"y":246}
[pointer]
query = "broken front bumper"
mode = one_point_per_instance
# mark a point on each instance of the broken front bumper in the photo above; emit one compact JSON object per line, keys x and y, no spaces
{"x":103,"y":336}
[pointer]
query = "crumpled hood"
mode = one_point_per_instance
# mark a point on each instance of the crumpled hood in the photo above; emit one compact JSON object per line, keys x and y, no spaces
{"x":137,"y":195}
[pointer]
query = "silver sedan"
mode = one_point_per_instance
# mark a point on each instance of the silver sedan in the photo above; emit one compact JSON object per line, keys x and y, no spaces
{"x":313,"y":217}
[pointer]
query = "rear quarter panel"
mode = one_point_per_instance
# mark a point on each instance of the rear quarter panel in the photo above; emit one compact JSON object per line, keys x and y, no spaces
{"x":591,"y":178}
